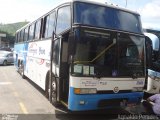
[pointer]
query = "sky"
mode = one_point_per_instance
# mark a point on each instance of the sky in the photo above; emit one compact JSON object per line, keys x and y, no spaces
{"x":12,"y":11}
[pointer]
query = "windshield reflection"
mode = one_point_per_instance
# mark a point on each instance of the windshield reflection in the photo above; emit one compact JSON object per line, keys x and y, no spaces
{"x":112,"y":18}
{"x":109,"y":54}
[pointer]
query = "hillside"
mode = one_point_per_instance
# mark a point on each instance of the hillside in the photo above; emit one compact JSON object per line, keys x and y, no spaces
{"x":11,"y":28}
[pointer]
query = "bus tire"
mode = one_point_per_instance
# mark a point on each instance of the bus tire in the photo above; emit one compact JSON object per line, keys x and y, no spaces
{"x":53,"y":99}
{"x":21,"y":70}
{"x":47,"y":89}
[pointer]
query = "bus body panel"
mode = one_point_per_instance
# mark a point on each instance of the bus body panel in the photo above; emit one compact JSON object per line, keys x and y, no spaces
{"x":20,"y":52}
{"x":38,"y":62}
{"x":91,"y":101}
{"x":97,"y":101}
{"x":107,"y":83}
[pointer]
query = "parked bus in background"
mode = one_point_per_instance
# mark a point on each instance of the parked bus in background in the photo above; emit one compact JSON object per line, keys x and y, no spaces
{"x":153,"y":31}
{"x":84,"y":55}
{"x":153,"y":61}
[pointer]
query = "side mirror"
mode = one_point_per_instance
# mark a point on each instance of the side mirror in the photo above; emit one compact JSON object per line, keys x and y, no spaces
{"x":72,"y":43}
{"x":71,"y":46}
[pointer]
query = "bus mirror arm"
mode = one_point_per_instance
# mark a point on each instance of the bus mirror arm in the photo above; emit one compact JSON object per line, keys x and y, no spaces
{"x":71,"y":44}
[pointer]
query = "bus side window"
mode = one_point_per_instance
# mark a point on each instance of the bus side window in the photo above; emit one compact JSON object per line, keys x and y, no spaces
{"x":51,"y":24}
{"x":18,"y":40}
{"x":26,"y":34}
{"x":56,"y":51}
{"x":31,"y":32}
{"x":45,"y":27}
{"x":63,"y":19}
{"x":19,"y":36}
{"x":22,"y":36}
{"x":37,"y":29}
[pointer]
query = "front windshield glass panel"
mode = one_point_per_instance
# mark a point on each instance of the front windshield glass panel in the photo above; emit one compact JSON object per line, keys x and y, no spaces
{"x":106,"y":17}
{"x":108,"y":54}
{"x":130,"y":55}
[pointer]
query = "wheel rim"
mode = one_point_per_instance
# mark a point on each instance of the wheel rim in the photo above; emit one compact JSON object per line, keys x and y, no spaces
{"x":54,"y":91}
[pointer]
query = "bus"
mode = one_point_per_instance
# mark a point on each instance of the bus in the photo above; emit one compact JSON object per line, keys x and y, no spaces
{"x":84,"y":55}
{"x":153,"y":61}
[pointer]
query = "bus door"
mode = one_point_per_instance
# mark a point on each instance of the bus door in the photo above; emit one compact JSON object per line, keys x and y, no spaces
{"x":64,"y":68}
{"x":60,"y":67}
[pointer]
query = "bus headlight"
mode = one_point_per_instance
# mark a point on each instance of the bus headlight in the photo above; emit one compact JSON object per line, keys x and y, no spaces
{"x":137,"y":89}
{"x":85,"y":90}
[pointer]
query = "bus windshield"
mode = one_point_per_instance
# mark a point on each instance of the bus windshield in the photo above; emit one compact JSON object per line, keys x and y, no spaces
{"x":109,"y":54}
{"x":106,"y":17}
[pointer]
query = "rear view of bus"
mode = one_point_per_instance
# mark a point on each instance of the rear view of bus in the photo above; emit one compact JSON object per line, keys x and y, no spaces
{"x":107,"y":59}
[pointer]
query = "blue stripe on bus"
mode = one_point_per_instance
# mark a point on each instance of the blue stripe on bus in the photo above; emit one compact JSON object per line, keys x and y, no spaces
{"x":20,"y":50}
{"x":92,"y":100}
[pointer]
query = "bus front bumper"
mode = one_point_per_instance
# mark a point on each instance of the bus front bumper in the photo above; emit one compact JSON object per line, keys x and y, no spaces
{"x":101,"y":101}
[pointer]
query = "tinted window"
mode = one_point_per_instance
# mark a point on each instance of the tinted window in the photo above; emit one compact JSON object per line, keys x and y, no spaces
{"x":26,"y":34}
{"x":21,"y":36}
{"x":63,"y":19}
{"x":109,"y":54}
{"x":37,"y":29}
{"x":51,"y":25}
{"x":31,"y":32}
{"x":106,"y":17}
{"x":18,"y":40}
{"x":46,"y":26}
{"x":56,"y":51}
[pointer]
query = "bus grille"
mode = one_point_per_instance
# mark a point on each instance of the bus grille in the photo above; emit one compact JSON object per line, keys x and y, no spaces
{"x":110,"y":103}
{"x":111,"y":92}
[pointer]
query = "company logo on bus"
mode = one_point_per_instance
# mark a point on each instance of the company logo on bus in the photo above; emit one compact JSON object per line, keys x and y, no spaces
{"x":40,"y":61}
{"x":33,"y":48}
{"x":116,"y":90}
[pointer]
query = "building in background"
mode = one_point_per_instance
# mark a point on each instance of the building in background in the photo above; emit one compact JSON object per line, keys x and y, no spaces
{"x":6,"y":42}
{"x":3,"y":43}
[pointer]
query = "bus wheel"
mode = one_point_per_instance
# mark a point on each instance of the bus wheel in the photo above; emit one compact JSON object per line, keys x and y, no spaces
{"x":47,"y":91}
{"x":21,"y":70}
{"x":54,"y":92}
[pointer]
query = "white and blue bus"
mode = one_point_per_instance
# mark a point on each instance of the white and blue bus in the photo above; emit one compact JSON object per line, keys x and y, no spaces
{"x":153,"y":61}
{"x":84,"y":55}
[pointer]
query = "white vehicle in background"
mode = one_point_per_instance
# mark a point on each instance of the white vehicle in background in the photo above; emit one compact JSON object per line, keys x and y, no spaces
{"x":6,"y":57}
{"x":153,"y":63}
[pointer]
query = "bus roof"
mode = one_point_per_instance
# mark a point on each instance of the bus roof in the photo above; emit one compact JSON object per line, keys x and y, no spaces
{"x":84,"y":1}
